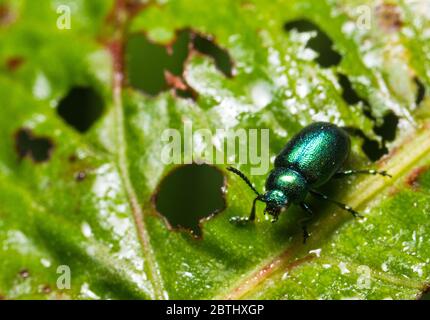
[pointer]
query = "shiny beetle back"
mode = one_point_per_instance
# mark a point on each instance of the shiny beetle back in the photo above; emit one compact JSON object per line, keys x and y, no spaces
{"x":317,"y":152}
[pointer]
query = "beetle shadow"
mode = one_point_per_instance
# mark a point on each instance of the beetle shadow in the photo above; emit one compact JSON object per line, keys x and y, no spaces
{"x":291,"y":224}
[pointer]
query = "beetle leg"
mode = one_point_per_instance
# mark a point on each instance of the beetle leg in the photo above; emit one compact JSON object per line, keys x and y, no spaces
{"x":339,"y":204}
{"x":342,"y":174}
{"x":242,"y":220}
{"x":304,"y":221}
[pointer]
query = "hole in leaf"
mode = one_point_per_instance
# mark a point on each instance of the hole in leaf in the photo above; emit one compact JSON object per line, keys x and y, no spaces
{"x":221,"y":57}
{"x":348,"y":93}
{"x":350,"y":96}
{"x":387,"y":130}
{"x":190,"y":193}
{"x":154,"y":68}
{"x":421,"y":91}
{"x":372,"y":149}
{"x":37,"y":148}
{"x":320,"y":43}
{"x":147,"y":62}
{"x":81,"y":108}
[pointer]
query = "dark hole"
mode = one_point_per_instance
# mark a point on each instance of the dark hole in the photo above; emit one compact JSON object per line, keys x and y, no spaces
{"x":421,"y":91}
{"x":191,"y":94}
{"x":38,"y":149}
{"x":349,"y":95}
{"x":221,"y":56}
{"x":321,"y":43}
{"x":81,"y":108}
{"x":153,"y":68}
{"x":178,"y":53}
{"x":371,"y":148}
{"x":387,"y":130}
{"x":147,"y":62}
{"x":189,"y":193}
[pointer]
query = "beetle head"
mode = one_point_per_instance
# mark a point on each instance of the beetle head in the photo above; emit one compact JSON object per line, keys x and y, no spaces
{"x":276,"y":201}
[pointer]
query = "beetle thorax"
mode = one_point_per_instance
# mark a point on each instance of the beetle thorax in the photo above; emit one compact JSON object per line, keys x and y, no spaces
{"x":289,"y":182}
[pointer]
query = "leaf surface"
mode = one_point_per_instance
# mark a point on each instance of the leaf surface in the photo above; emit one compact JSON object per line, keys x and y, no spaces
{"x":90,"y":205}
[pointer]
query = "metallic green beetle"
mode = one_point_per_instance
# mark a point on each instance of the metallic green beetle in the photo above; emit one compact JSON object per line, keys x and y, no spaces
{"x":310,"y":159}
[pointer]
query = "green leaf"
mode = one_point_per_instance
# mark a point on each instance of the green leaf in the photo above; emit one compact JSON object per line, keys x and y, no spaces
{"x":86,"y":200}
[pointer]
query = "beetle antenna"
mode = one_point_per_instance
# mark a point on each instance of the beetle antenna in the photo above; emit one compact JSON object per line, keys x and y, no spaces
{"x":244,"y":178}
